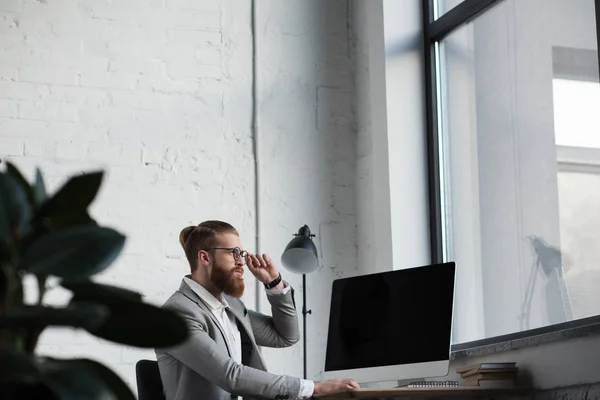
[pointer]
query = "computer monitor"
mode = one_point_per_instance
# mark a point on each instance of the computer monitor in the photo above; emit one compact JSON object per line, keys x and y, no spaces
{"x":392,"y":325}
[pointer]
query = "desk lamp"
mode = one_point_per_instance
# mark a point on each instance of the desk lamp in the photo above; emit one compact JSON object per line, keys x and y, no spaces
{"x":300,"y":257}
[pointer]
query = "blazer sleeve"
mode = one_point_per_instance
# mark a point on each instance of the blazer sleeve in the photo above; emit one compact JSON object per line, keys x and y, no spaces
{"x":201,"y":354}
{"x":280,"y":330}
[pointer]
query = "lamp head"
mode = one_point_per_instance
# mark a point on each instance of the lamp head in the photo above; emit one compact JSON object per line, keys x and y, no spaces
{"x":300,"y":255}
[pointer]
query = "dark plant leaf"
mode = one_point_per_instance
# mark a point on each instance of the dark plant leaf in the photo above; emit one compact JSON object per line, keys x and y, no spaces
{"x":5,"y":215}
{"x":75,"y":218}
{"x":39,"y":188}
{"x":80,"y":315}
{"x":73,"y":253}
{"x":90,"y":291}
{"x":11,"y":288}
{"x":3,"y":285}
{"x":83,"y":379}
{"x":21,"y":391}
{"x":130,"y":321}
{"x":5,"y":252}
{"x":73,"y":197}
{"x":42,"y":228}
{"x":13,"y":171}
{"x":138,"y":324}
{"x":18,"y":367}
{"x":15,"y":210}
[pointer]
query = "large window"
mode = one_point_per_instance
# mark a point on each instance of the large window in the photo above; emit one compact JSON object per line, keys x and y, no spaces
{"x":514,"y":147}
{"x":442,"y":6}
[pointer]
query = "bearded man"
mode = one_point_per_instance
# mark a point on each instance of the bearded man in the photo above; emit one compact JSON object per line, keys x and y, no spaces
{"x":221,"y":359}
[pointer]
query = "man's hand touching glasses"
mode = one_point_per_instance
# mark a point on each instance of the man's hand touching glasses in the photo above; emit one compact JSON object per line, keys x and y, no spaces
{"x":263,"y":269}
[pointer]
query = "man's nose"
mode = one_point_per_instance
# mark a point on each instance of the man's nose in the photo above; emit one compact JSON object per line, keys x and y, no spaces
{"x":240,"y":261}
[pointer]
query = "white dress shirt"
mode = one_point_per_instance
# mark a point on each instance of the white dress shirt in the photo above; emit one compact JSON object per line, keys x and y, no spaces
{"x":227,"y":321}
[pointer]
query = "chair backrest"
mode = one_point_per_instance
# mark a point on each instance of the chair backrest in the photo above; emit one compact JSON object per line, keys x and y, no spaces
{"x":148,"y":380}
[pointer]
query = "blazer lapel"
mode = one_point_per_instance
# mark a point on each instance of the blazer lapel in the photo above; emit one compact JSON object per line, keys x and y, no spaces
{"x":190,"y":294}
{"x":241,"y":315}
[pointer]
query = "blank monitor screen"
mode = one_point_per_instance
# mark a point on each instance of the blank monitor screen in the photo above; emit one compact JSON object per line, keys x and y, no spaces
{"x":391,"y":318}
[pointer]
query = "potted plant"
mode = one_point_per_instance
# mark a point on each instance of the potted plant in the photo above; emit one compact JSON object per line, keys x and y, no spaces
{"x":53,"y":237}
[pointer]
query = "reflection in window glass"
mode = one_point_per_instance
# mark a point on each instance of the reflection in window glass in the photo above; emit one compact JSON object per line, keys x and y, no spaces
{"x":579,"y":195}
{"x":513,"y":210}
{"x":576,"y":113}
{"x":577,"y":131}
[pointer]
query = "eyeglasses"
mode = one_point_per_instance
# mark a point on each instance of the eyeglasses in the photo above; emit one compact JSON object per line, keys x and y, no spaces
{"x":237,"y":252}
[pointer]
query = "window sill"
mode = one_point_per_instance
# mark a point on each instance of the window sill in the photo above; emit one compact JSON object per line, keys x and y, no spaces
{"x":534,"y":337}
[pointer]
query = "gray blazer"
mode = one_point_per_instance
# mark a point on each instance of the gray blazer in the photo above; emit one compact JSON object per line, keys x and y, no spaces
{"x":202,"y":367}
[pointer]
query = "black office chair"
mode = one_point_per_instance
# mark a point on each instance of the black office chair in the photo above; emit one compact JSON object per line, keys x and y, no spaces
{"x":149,"y":385}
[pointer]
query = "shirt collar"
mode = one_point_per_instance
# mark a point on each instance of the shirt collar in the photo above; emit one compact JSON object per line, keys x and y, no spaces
{"x":205,"y":295}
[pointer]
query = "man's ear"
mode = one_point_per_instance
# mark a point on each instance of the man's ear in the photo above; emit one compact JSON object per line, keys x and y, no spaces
{"x":203,"y":258}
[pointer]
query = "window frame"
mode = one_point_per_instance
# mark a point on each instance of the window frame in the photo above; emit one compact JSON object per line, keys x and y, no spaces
{"x":434,"y":31}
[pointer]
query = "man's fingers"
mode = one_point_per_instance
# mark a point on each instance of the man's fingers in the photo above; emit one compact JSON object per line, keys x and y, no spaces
{"x":252,"y":261}
{"x":267,"y":259}
{"x":353,"y":384}
{"x":261,"y":261}
{"x":348,"y":384}
{"x":257,"y":261}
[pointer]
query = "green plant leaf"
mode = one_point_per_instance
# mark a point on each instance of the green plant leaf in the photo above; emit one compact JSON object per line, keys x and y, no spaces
{"x":130,"y":321}
{"x":138,"y":324}
{"x":80,"y":315}
{"x":73,"y":253}
{"x":13,"y":171}
{"x":39,"y":188}
{"x":11,"y":287}
{"x":22,"y":377}
{"x":83,"y":379}
{"x":91,"y":291}
{"x":18,"y":367}
{"x":15,"y":210}
{"x":5,"y":252}
{"x":3,"y":285}
{"x":71,"y":201}
{"x":71,"y":220}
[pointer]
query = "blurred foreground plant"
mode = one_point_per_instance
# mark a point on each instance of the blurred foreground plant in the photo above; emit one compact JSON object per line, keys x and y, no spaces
{"x":55,"y":237}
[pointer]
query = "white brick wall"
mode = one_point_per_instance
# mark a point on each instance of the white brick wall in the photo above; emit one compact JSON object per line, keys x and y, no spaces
{"x":307,"y":138}
{"x":158,"y":93}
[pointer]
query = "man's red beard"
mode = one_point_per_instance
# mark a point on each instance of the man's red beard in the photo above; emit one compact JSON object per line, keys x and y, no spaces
{"x":227,"y":281}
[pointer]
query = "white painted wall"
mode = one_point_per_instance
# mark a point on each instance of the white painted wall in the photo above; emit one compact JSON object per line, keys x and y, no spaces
{"x":307,"y":147}
{"x":393,"y":215}
{"x":158,"y":93}
{"x":374,"y":230}
{"x":405,"y":109}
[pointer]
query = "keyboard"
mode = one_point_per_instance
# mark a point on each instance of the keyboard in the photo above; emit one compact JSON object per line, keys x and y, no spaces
{"x":433,"y":384}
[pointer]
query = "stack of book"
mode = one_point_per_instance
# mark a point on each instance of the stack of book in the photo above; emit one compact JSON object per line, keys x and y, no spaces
{"x":490,"y":374}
